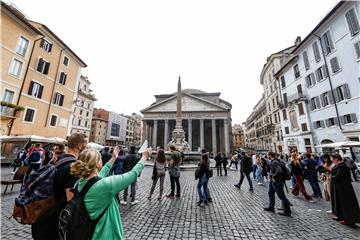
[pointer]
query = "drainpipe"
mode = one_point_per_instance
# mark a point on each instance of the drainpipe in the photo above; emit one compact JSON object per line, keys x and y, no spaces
{"x":331,"y":86}
{"x":53,"y":88}
{"x":23,"y":82}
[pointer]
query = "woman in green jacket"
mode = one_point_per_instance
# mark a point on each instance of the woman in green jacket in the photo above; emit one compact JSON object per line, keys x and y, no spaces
{"x":102,"y":193}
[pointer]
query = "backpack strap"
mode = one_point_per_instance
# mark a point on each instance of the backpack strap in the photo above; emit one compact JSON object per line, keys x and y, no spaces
{"x":86,"y":188}
{"x":64,"y":160}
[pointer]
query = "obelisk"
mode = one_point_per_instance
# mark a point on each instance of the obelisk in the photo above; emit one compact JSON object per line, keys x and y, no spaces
{"x":178,"y":135}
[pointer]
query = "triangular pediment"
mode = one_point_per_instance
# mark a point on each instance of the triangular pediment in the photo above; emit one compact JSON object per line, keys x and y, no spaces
{"x":189,"y":103}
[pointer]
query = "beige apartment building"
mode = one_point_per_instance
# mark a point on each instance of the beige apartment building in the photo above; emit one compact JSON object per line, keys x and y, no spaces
{"x":238,"y":136}
{"x":17,"y":41}
{"x":99,"y":125}
{"x":50,"y":79}
{"x":83,"y":108}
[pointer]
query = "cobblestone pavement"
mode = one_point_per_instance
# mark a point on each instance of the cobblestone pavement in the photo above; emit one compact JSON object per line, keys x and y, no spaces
{"x":234,"y":214}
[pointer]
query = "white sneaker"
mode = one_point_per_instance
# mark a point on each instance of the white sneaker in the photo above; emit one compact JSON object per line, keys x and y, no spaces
{"x":134,"y":202}
{"x":12,"y":172}
{"x":330,"y":211}
{"x":123,"y":202}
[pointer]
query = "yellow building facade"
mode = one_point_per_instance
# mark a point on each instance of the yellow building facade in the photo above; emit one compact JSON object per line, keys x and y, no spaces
{"x":48,"y":90}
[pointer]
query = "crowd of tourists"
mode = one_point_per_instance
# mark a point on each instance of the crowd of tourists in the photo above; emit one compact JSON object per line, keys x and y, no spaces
{"x":74,"y":192}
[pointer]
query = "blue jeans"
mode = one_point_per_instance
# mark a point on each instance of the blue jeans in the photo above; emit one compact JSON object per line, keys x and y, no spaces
{"x":259,"y":176}
{"x":254,"y":170}
{"x":242,"y":176}
{"x":278,"y":188}
{"x":293,"y":181}
{"x":203,"y":182}
{"x":314,"y":183}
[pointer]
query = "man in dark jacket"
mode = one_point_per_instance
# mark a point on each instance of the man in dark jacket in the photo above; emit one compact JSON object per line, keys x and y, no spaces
{"x":105,"y":155}
{"x":130,"y":161}
{"x":245,"y":170}
{"x":310,"y":173}
{"x":276,"y":184}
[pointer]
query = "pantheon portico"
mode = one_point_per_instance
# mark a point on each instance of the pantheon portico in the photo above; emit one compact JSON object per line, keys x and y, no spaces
{"x":206,"y":120}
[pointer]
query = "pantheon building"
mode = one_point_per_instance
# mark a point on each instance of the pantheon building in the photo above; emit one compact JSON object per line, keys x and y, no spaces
{"x":206,"y":120}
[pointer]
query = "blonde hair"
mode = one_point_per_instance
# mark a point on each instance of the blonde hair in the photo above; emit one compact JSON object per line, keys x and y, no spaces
{"x":295,"y":158}
{"x":85,"y":165}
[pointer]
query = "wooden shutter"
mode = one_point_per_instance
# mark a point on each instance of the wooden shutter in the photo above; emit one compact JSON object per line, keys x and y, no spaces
{"x":46,"y":69}
{"x":352,"y":22}
{"x":41,"y":87}
{"x":318,"y":76}
{"x":50,"y":47}
{"x":336,"y":121}
{"x":322,"y":100}
{"x":55,"y":98}
{"x":342,"y":120}
{"x":65,"y":76}
{"x":325,"y":72}
{"x":317,"y":99}
{"x":316,"y":51}
{"x":31,"y":87}
{"x":42,"y":43}
{"x":346,"y":91}
{"x":353,"y":118}
{"x":61,"y":99}
{"x":357,"y":49}
{"x":327,"y":122}
{"x":335,"y":67}
{"x":330,"y":97}
{"x":315,"y":125}
{"x":39,"y":66}
{"x":306,"y":60}
{"x":312,"y":77}
{"x":322,"y":124}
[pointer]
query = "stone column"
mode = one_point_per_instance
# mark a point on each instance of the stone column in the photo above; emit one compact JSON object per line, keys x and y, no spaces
{"x":166,"y":133}
{"x":154,"y":144}
{"x":190,"y":133}
{"x":201,"y":133}
{"x":226,"y":136}
{"x":145,"y":127}
{"x":213,"y":128}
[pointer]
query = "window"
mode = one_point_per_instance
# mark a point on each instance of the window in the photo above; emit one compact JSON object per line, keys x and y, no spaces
{"x":348,"y":118}
{"x":59,"y":99}
{"x":321,"y":73}
{"x":7,"y":97}
{"x":88,"y":106}
{"x":87,"y":114}
{"x":304,"y":127}
{"x":15,"y":67}
{"x":335,"y":66}
{"x":325,"y":99}
{"x":307,"y":141}
{"x":43,"y":66}
{"x":316,"y":51}
{"x":285,"y":99}
{"x":86,"y":123}
{"x":306,"y":60}
{"x":53,"y":120}
{"x":66,"y":61}
{"x":319,"y":124}
{"x":310,"y":80}
{"x":273,"y":101}
{"x":81,"y":111}
{"x":299,"y":89}
{"x":286,"y":130}
{"x":331,"y":122}
{"x":357,"y":49}
{"x":79,"y":122}
{"x":352,"y":21}
{"x":327,"y":43}
{"x":275,"y":118}
{"x":29,"y":115}
{"x":301,"y":109}
{"x":314,"y":103}
{"x":115,"y":130}
{"x":35,"y":89}
{"x":296,"y":71}
{"x":284,"y":114}
{"x":283,"y":84}
{"x":44,"y":44}
{"x":342,"y":92}
{"x":63,"y":77}
{"x":22,"y":46}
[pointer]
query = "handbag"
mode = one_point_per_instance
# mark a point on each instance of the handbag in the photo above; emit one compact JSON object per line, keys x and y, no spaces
{"x":154,"y":173}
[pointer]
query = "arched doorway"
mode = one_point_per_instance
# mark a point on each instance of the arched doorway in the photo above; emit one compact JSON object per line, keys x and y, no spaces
{"x":327,"y":150}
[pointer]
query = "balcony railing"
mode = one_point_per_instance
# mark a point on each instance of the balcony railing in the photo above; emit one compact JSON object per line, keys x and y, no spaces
{"x":296,"y":97}
{"x":7,"y":111}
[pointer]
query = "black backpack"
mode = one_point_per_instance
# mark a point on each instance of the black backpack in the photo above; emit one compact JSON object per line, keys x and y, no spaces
{"x":286,"y":175}
{"x":74,"y":219}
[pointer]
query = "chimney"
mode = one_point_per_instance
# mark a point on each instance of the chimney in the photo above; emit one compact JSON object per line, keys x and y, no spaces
{"x":297,"y":41}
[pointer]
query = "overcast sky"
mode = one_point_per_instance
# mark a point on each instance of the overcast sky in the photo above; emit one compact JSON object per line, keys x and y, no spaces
{"x":136,"y":49}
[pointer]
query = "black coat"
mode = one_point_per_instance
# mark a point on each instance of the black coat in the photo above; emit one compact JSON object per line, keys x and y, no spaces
{"x":246,"y":165}
{"x":343,"y":199}
{"x":218,"y":160}
{"x":130,"y":161}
